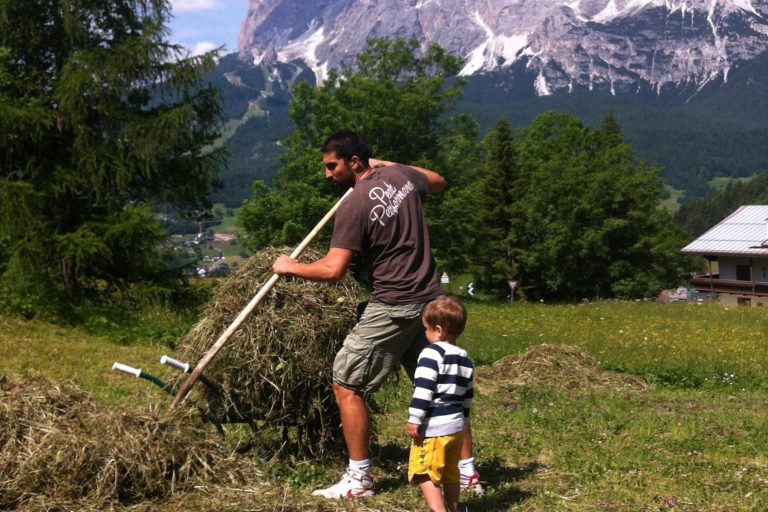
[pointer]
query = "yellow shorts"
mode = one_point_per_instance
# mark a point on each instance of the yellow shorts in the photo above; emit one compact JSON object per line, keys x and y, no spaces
{"x":437,"y":457}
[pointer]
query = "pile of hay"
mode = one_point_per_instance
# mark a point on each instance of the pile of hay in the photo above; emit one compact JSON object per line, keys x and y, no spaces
{"x":57,"y":450}
{"x":561,"y":366}
{"x":276,"y":369}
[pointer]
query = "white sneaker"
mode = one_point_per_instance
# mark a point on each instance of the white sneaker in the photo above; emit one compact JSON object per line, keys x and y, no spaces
{"x":471,"y":483}
{"x":353,"y":484}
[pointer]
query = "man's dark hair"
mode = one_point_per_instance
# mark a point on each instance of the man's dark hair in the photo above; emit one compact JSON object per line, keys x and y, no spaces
{"x":346,"y":144}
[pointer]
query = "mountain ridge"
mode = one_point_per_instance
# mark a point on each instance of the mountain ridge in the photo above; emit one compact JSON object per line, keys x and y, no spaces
{"x":720,"y":131}
{"x":686,"y":79}
{"x":608,"y":44}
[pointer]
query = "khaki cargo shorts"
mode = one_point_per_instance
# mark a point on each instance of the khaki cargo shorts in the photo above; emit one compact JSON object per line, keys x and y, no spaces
{"x":384,"y":337}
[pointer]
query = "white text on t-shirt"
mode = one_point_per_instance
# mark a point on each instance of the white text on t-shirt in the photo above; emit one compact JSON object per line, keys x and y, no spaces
{"x":389,"y":199}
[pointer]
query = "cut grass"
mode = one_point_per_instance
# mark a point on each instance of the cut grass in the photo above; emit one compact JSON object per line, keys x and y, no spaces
{"x":695,"y":440}
{"x":681,"y":344}
{"x":32,"y":349}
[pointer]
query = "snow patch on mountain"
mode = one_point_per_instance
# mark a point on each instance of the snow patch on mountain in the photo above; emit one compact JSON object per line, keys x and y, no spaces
{"x":746,"y":5}
{"x":496,"y":49}
{"x":614,"y":10}
{"x":305,"y":48}
{"x":541,"y":86}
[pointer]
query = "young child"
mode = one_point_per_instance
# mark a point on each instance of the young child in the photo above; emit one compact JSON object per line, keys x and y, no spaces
{"x":439,"y":410}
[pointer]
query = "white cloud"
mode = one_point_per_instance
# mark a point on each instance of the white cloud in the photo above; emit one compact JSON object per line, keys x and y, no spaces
{"x":195,"y":5}
{"x":203,"y":47}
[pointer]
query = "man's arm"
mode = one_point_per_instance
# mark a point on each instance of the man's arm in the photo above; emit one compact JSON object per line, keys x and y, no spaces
{"x":331,"y":267}
{"x":436,"y":183}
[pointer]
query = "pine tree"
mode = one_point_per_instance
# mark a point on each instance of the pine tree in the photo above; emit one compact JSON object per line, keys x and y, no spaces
{"x":610,"y":133}
{"x":498,"y":179}
{"x":99,"y":117}
{"x":452,"y":216}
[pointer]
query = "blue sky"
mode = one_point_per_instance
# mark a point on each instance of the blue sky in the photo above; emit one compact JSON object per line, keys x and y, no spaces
{"x":202,"y":25}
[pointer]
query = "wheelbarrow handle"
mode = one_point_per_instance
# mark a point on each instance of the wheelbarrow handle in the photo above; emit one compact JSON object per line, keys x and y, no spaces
{"x":175,"y":363}
{"x":186,"y":368}
{"x":120,"y":367}
{"x":162,"y":385}
{"x":136,"y":372}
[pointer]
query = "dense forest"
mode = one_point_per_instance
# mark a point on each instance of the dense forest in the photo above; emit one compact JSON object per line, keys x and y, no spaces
{"x":693,"y":136}
{"x":255,"y":102}
{"x":101,"y":119}
{"x":697,"y":217}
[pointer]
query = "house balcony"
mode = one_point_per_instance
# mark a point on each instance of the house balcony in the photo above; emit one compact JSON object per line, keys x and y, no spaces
{"x":714,"y":284}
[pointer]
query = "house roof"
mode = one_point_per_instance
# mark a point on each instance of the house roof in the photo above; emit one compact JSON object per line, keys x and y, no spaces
{"x":742,"y":233}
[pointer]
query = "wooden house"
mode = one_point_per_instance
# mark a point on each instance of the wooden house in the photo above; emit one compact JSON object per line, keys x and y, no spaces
{"x":736,"y":250}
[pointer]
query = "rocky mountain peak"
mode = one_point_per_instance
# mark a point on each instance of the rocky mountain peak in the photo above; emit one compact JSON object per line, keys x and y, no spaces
{"x":616,"y":45}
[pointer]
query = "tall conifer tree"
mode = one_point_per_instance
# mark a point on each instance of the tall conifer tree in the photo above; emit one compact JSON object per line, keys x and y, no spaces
{"x":99,"y":117}
{"x":493,"y":263}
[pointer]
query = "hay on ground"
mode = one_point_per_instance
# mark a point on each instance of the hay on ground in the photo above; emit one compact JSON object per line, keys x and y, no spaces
{"x":276,"y":369}
{"x":561,"y":366}
{"x":57,"y":447}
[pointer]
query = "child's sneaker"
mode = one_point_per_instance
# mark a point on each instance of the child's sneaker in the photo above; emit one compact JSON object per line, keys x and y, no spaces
{"x":353,"y":484}
{"x":471,"y":483}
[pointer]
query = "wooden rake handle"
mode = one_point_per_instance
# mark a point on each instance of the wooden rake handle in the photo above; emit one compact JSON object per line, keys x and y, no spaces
{"x":186,"y":387}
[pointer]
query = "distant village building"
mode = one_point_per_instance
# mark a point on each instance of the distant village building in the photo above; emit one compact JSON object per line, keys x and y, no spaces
{"x":221,"y":269}
{"x":224,"y":237}
{"x":738,"y":248}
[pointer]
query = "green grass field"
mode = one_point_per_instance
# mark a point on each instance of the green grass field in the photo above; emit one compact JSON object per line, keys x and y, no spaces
{"x":720,"y":182}
{"x":696,"y":439}
{"x":672,"y":203}
{"x":228,"y":222}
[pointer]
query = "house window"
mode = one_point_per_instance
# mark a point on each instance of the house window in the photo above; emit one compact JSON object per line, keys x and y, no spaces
{"x":744,"y":301}
{"x":743,"y":273}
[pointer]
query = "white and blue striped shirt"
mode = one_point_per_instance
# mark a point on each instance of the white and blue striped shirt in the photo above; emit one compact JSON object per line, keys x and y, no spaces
{"x":442,"y":394}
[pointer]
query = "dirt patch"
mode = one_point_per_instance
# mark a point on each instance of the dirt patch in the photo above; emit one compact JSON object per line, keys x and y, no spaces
{"x":561,"y":366}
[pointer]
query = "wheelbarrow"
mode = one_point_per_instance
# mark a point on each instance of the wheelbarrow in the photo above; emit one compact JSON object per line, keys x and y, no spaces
{"x":210,"y":412}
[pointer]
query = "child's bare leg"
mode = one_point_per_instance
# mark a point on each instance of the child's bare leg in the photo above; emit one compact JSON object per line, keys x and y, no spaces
{"x":452,"y":496}
{"x":466,"y":442}
{"x":431,"y":492}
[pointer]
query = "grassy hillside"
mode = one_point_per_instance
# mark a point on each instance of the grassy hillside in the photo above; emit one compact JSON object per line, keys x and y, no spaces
{"x":557,"y":429}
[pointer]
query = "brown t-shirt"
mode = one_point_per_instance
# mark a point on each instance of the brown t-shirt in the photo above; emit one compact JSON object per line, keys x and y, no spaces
{"x":383,"y":218}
